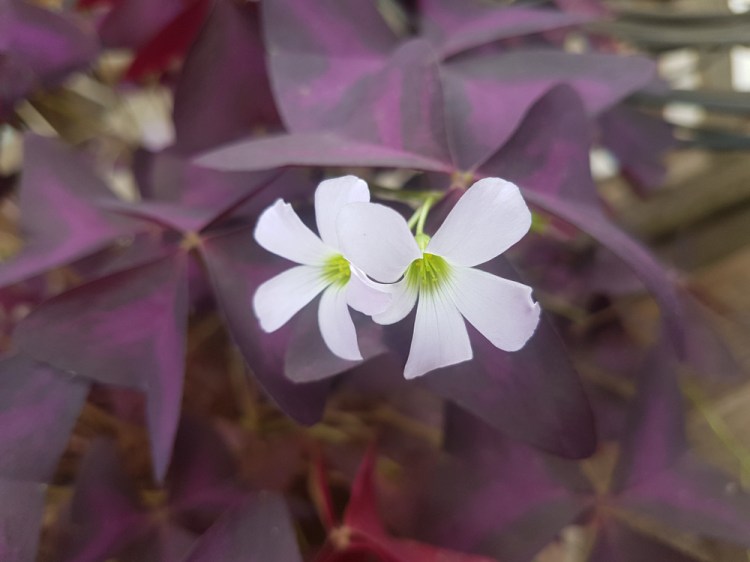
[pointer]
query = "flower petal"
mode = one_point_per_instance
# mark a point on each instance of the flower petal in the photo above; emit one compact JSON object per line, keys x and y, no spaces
{"x":403,"y":298}
{"x":330,"y":197}
{"x":376,"y":239}
{"x":367,"y":296}
{"x":502,"y":310}
{"x":488,"y":219}
{"x":281,"y":297}
{"x":336,"y":325}
{"x":280,"y":231}
{"x":440,"y":336}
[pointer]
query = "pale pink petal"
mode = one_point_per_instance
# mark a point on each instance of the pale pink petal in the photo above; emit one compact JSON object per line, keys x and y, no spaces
{"x":280,"y":231}
{"x":330,"y":197}
{"x":367,"y":296}
{"x":376,"y":239}
{"x":502,"y":310}
{"x":440,"y":337}
{"x":403,"y":298}
{"x":336,"y":324}
{"x":487,"y":220}
{"x":281,"y":297}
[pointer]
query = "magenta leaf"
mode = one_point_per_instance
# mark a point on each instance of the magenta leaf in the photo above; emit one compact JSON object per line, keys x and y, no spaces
{"x":223,"y":91}
{"x":259,"y":530}
{"x":132,"y":325}
{"x":59,"y":219}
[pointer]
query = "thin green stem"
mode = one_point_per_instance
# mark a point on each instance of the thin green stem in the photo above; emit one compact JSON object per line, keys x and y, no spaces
{"x":423,"y":214}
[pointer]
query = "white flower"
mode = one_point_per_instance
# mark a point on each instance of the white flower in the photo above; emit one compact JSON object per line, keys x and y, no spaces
{"x":323,"y":268}
{"x":488,"y":219}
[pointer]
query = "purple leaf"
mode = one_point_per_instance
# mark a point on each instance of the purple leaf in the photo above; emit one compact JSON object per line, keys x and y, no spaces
{"x":237,"y":266}
{"x":117,"y":29}
{"x":555,"y":162}
{"x":459,"y":25}
{"x":21,"y":510}
{"x":132,"y":327}
{"x":223,"y":91}
{"x":503,"y":498}
{"x":639,"y":142}
{"x":188,"y":198}
{"x":105,"y":510}
{"x":39,"y":48}
{"x":58,"y":218}
{"x":260,"y":530}
{"x":601,"y":80}
{"x":38,"y":407}
{"x":658,"y":281}
{"x":312,"y":149}
{"x":318,"y":52}
{"x":502,"y":388}
{"x":660,"y":478}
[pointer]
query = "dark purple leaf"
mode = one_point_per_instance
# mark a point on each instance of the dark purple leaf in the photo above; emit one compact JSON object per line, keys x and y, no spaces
{"x":318,"y":52}
{"x":601,"y":80}
{"x":125,"y":329}
{"x":312,"y":149}
{"x":459,"y":25}
{"x":38,"y":407}
{"x":105,"y":510}
{"x":21,"y":510}
{"x":502,"y":388}
{"x":39,"y":48}
{"x":655,"y":277}
{"x":118,"y":28}
{"x":188,"y":198}
{"x":549,"y":153}
{"x":639,"y":142}
{"x":237,"y":266}
{"x":693,"y":497}
{"x":615,"y":542}
{"x":260,"y":530}
{"x":223,"y":91}
{"x":202,"y":470}
{"x":58,"y":219}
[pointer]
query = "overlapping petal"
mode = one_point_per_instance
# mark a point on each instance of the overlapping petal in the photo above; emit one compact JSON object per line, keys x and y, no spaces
{"x":404,"y":297}
{"x":280,"y":231}
{"x":330,"y":197}
{"x":487,"y":220}
{"x":366,"y":296}
{"x":377,"y":240}
{"x":336,"y":325}
{"x":283,"y":296}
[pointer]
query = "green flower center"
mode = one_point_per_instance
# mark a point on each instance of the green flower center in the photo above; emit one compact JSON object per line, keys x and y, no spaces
{"x":428,"y":273}
{"x":336,"y":270}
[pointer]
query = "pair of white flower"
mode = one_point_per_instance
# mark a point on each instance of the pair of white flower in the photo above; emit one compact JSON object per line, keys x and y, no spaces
{"x":367,"y":258}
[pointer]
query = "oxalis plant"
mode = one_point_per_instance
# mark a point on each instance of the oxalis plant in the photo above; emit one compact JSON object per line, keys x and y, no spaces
{"x":332,"y":321}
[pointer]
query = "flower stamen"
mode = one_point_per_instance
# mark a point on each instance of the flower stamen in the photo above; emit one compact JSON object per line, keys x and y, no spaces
{"x":428,"y":273}
{"x":336,"y":270}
